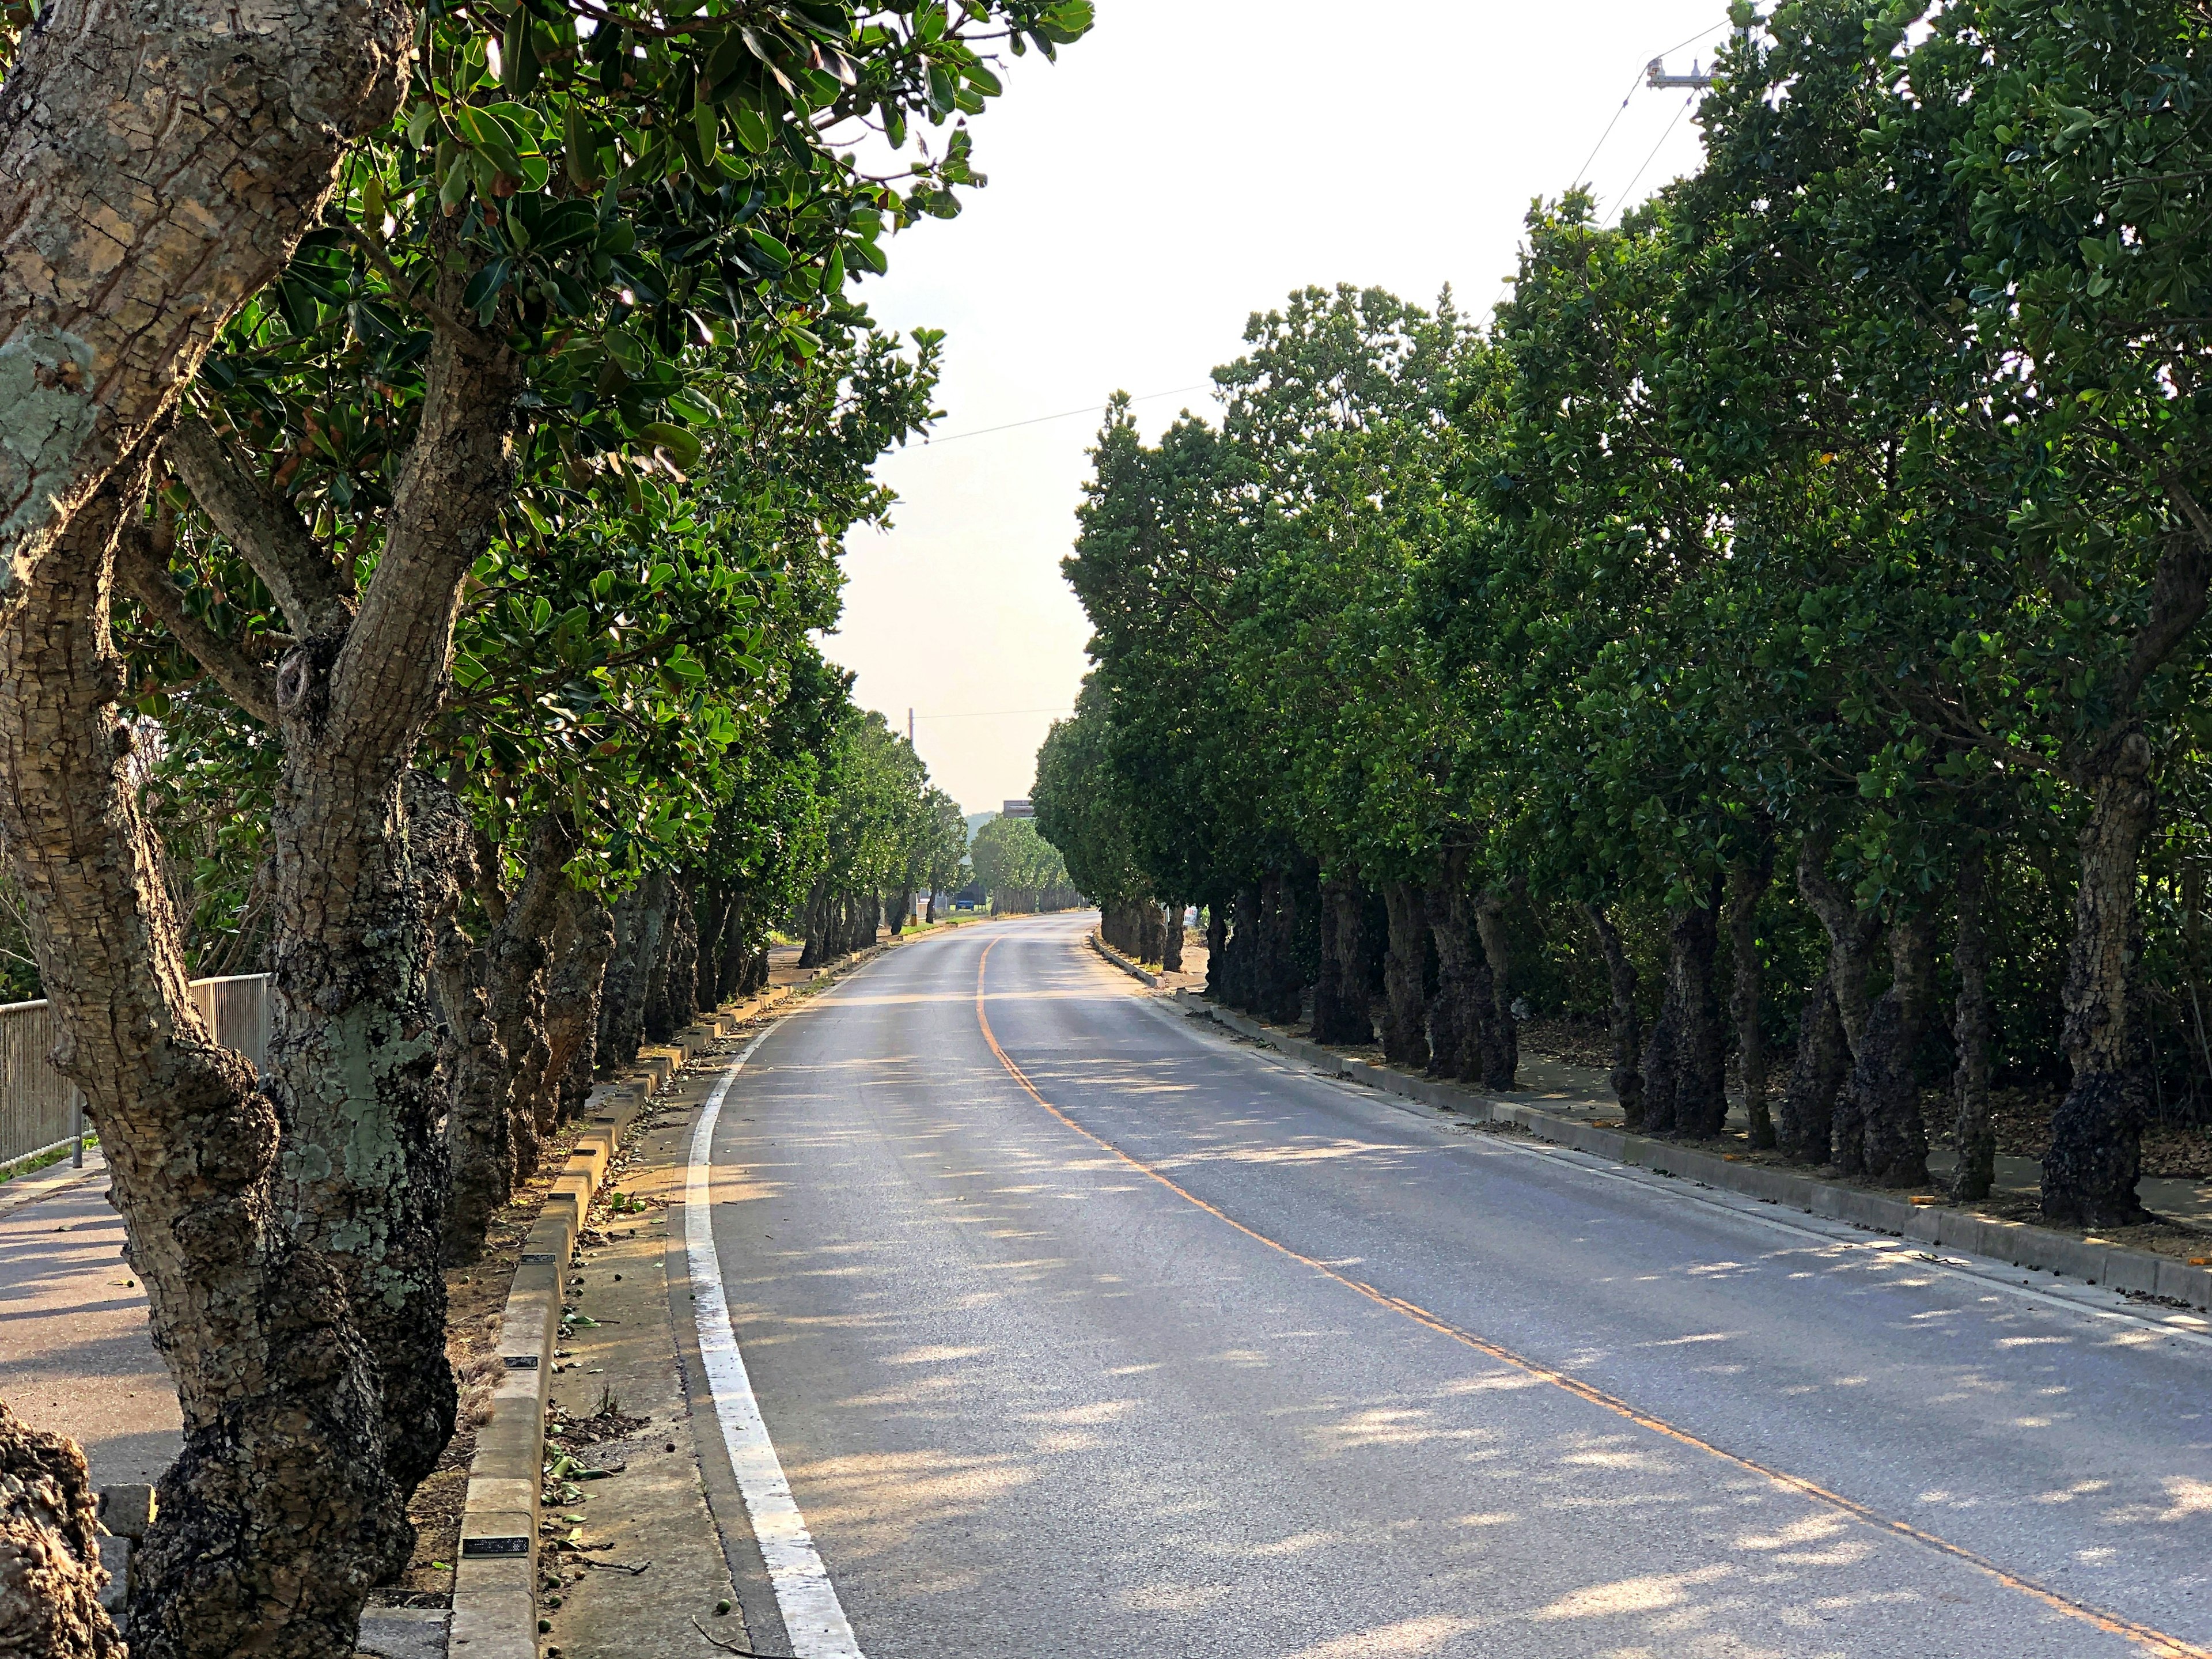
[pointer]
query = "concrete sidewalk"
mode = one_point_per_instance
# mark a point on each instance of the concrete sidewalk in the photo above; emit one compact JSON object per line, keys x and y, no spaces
{"x":76,"y":1354}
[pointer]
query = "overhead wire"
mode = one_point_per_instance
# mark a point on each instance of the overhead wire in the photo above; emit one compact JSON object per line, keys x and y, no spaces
{"x":1065,"y":415}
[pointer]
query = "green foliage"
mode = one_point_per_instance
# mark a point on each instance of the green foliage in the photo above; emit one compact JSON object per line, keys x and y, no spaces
{"x":1847,"y":494}
{"x":1020,"y":869}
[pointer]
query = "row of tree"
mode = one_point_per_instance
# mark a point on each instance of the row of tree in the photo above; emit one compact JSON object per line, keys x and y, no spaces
{"x":1019,"y":871}
{"x":1779,"y":622}
{"x":424,"y":482}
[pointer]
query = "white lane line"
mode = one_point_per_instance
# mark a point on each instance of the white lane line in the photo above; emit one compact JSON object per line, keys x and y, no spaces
{"x":813,"y":1618}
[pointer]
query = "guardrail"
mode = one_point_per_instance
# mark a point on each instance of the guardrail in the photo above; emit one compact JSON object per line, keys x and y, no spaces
{"x":40,"y":1110}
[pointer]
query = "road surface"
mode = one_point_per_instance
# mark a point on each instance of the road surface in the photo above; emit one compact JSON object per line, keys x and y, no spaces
{"x":1081,"y":1330}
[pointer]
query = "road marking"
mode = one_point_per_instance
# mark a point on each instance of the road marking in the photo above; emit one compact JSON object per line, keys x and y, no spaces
{"x":2154,"y":1641}
{"x":813,"y":1618}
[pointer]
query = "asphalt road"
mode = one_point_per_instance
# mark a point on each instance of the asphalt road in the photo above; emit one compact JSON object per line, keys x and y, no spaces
{"x":1188,"y":1353}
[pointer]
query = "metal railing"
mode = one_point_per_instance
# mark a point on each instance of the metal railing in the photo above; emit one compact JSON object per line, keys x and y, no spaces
{"x":40,"y":1110}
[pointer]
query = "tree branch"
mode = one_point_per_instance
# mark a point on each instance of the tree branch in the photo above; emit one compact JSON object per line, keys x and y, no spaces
{"x":246,"y":682}
{"x":306,"y":581}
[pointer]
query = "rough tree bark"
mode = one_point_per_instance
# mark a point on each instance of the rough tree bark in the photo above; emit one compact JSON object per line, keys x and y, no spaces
{"x":1975,"y":1173}
{"x":1627,"y":1034}
{"x":159,"y":161}
{"x":640,"y":916}
{"x":1171,"y":947}
{"x":1217,"y":951}
{"x":583,"y":939}
{"x":1342,"y":1008}
{"x":1497,"y":953}
{"x":2095,"y":1159}
{"x":1806,"y":1130}
{"x":278,"y":1506}
{"x":1404,"y":975}
{"x":50,"y":1572}
{"x":516,"y":954}
{"x":1820,"y":1072}
{"x":1244,"y":951}
{"x":1878,"y":1128}
{"x":479,"y":1149}
{"x":1685,"y":1065}
{"x":1747,"y":883}
{"x":1280,"y":989}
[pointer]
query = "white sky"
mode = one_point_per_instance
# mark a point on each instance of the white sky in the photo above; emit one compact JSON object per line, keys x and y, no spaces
{"x":1188,"y":163}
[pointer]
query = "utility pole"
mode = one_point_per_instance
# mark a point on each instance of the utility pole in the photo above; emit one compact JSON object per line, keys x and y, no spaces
{"x":909,"y":725}
{"x":1655,"y":75}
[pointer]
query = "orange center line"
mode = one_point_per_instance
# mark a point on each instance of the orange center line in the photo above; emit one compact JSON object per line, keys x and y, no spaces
{"x":2154,"y":1641}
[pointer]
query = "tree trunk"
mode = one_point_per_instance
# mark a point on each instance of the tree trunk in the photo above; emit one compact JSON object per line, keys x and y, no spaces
{"x":1852,"y":935}
{"x":50,"y":1571}
{"x":1281,"y":988}
{"x":479,"y":1144}
{"x":2089,"y":1175}
{"x":1627,"y":1034}
{"x":583,"y":939}
{"x":1244,"y":945}
{"x":1747,"y":883}
{"x":1405,"y":977}
{"x":1879,"y":1131}
{"x":1685,"y":1068}
{"x":1502,"y":1066}
{"x":1806,"y":1129}
{"x":516,"y":957}
{"x":666,"y":971}
{"x":159,"y":163}
{"x":281,"y":1488}
{"x":1975,"y":1173}
{"x":815,"y":921}
{"x":1341,"y":1008}
{"x":1171,"y":950}
{"x":1217,"y":952}
{"x":621,"y":1025}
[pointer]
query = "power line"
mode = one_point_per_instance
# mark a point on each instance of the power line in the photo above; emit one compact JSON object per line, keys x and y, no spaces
{"x":1654,"y":156}
{"x":988,"y":714}
{"x":1066,"y":415}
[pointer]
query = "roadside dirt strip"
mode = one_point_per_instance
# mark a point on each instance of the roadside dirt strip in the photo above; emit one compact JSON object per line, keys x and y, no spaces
{"x":2089,"y":1261}
{"x":501,"y":1573}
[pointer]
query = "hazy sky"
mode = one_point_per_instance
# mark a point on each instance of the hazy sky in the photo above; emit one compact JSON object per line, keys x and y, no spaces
{"x":1190,"y":163}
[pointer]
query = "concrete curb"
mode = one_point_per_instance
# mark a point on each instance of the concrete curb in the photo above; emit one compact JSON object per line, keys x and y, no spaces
{"x":495,"y":1578}
{"x":494,"y":1612}
{"x":2089,"y":1259}
{"x":1123,"y":962}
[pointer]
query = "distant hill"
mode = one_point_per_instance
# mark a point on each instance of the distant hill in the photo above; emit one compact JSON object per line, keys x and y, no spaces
{"x":976,"y":821}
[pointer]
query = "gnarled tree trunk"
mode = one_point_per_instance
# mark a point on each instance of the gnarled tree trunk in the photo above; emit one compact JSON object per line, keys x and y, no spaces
{"x":1685,"y":1067}
{"x":1975,"y":1173}
{"x":159,"y":163}
{"x":2095,"y":1159}
{"x":479,"y":1145}
{"x":279,"y":1502}
{"x":1405,"y":976}
{"x":1626,"y":1025}
{"x":1747,"y":884}
{"x":1806,"y":1129}
{"x":1879,"y":1131}
{"x":1171,"y":946}
{"x":1217,"y":951}
{"x":1503,"y":1071}
{"x":1342,"y":1007}
{"x":1852,"y":935}
{"x":583,"y":939}
{"x":50,"y":1572}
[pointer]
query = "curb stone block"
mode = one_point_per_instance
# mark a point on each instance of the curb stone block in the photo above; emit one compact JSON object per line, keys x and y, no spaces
{"x":2184,"y":1283}
{"x":495,"y":1612}
{"x":2132,"y":1270}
